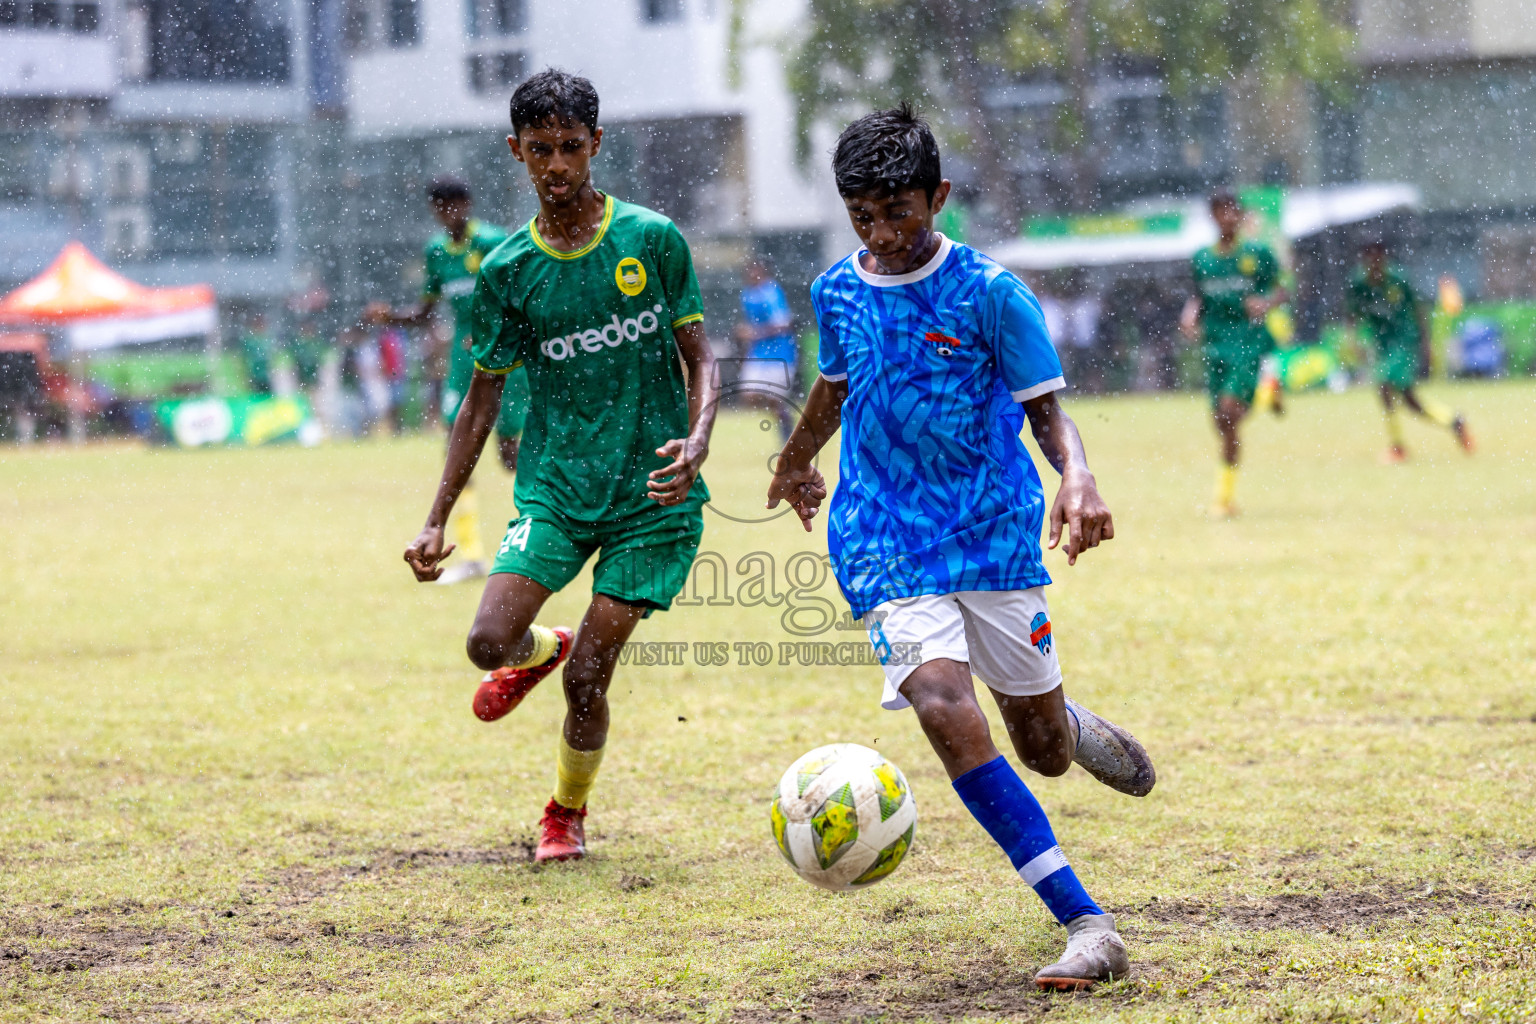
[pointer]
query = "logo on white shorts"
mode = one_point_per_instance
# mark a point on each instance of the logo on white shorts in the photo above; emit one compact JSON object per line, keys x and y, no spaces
{"x":1040,"y":633}
{"x":881,"y":644}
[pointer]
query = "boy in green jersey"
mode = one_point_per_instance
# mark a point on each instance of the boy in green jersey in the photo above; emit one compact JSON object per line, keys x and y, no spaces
{"x":453,"y":260}
{"x":1381,"y":299}
{"x":1236,"y":285}
{"x":597,"y":300}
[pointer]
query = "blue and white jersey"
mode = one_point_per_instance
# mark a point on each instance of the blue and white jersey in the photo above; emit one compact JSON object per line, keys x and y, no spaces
{"x":937,"y":492}
{"x":763,"y":305}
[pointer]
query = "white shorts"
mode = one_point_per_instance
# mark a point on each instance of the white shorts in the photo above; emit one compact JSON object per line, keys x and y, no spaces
{"x":766,"y":376}
{"x":1005,"y":636}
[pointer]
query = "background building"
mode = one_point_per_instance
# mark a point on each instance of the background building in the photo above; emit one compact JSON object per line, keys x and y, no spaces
{"x":690,"y":132}
{"x":1447,"y":100}
{"x":278,"y":149}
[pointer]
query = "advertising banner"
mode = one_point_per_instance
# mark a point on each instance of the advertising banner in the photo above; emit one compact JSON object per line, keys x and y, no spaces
{"x":255,"y":420}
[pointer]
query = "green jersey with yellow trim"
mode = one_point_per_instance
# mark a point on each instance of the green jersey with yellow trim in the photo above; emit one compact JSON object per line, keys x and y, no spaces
{"x":452,"y":268}
{"x":593,"y":328}
{"x":1223,"y":281}
{"x":1389,"y":309}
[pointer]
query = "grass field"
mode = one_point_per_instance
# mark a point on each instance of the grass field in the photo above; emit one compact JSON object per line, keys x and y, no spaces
{"x":241,"y":780}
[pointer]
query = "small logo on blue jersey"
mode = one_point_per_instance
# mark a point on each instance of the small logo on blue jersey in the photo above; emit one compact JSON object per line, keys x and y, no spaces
{"x":1040,"y":633}
{"x":943,"y":344}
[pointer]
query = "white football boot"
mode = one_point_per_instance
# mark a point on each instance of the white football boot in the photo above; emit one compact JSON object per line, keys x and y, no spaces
{"x":461,"y":573}
{"x":1095,"y":952}
{"x":1110,"y":754}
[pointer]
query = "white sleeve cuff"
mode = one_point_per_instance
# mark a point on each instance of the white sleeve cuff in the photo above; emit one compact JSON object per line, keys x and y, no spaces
{"x":1043,"y":388}
{"x":833,"y":378}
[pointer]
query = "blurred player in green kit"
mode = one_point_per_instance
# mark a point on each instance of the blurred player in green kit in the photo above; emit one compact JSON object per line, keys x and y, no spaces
{"x":1383,"y":302}
{"x":453,"y":259}
{"x":1237,"y":283}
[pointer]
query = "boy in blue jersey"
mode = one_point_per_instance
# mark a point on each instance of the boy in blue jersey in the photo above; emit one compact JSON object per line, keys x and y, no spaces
{"x":766,"y":331}
{"x":932,"y":356}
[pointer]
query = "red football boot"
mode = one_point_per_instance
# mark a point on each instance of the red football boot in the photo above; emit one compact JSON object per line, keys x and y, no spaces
{"x":504,"y":689}
{"x":1463,"y":435}
{"x":561,"y":834}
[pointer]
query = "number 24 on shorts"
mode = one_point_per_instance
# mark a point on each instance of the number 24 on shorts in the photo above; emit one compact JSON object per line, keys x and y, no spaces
{"x":517,"y":536}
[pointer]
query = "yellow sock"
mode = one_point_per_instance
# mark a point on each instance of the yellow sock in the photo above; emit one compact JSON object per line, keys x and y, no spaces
{"x":1441,"y":415}
{"x":545,"y":644}
{"x":1394,"y":428}
{"x":1264,"y":396}
{"x":1226,"y":484}
{"x":575,"y":772}
{"x":464,"y":526}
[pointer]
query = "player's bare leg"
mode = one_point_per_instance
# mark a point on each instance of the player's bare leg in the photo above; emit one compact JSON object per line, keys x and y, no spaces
{"x":942,"y":693}
{"x":1041,"y":730}
{"x":1050,"y":733}
{"x":1396,"y":452}
{"x":506,"y":447}
{"x":782,"y":413}
{"x":1228,"y":414}
{"x":604,"y":630}
{"x":944,"y":697}
{"x":504,"y":641}
{"x":1442,"y":416}
{"x":463,"y":531}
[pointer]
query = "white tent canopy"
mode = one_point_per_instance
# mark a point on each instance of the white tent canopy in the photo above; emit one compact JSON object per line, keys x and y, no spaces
{"x":1304,"y":212}
{"x":91,"y":335}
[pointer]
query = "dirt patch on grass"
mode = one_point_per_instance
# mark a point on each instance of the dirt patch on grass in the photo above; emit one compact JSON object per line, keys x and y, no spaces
{"x":64,"y":948}
{"x":514,"y":853}
{"x":1326,"y":912}
{"x":980,"y":989}
{"x":304,"y":884}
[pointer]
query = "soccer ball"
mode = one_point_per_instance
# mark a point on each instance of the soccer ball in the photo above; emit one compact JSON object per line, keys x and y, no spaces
{"x":843,"y":817}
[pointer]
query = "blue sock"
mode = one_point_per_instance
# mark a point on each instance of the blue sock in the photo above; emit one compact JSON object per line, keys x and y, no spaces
{"x":1012,"y":816}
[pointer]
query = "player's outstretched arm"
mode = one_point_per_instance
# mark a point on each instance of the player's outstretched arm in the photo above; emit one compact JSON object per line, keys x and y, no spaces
{"x":1078,"y":507}
{"x":1426,"y":349}
{"x":1189,"y":319}
{"x":795,"y":477}
{"x":670,"y":484}
{"x":477,"y":414}
{"x":382,"y":314}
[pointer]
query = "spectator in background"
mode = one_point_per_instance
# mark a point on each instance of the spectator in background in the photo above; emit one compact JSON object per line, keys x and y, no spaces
{"x":23,"y":357}
{"x":1082,"y":313}
{"x":257,"y":347}
{"x":394,"y":364}
{"x":767,"y":337}
{"x":1157,"y":313}
{"x":1051,"y":309}
{"x":367,"y":362}
{"x":308,"y":350}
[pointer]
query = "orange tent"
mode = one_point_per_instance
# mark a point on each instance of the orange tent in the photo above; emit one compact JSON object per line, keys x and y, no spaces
{"x":101,"y":308}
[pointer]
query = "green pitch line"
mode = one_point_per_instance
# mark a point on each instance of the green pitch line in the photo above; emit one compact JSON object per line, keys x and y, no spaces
{"x":241,"y":779}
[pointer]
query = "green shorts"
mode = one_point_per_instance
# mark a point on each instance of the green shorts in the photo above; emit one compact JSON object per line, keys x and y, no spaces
{"x":1233,"y":371}
{"x":644,"y":563}
{"x":1397,"y":367}
{"x":514,"y":394}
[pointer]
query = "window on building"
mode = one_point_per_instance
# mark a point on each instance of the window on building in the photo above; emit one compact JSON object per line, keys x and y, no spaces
{"x":213,"y":192}
{"x":493,"y":72}
{"x":660,"y":11}
{"x":51,"y":15}
{"x":360,"y":25}
{"x":497,"y":17}
{"x":404,"y":22}
{"x":85,"y":18}
{"x":47,"y":15}
{"x":217,"y":41}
